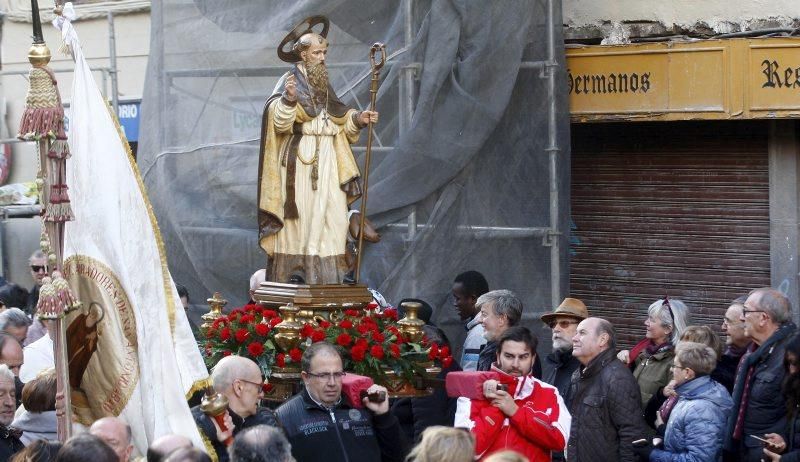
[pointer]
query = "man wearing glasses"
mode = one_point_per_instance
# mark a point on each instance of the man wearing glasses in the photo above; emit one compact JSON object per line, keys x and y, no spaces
{"x":736,"y":344}
{"x":238,"y":379}
{"x":758,"y":404}
{"x":323,"y":426}
{"x":560,"y":364}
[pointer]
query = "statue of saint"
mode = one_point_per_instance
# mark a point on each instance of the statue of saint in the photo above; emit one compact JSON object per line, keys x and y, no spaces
{"x":308,"y":176}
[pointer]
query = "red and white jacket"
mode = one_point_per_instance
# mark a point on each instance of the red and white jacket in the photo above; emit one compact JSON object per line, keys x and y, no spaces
{"x":540,"y":425}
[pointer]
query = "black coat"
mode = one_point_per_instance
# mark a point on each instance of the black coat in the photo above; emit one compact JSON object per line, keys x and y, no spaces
{"x":9,"y":443}
{"x":263,"y":416}
{"x":725,"y":372}
{"x":417,"y":414}
{"x":558,"y":368}
{"x":766,"y":406}
{"x":606,"y":412}
{"x":342,"y":433}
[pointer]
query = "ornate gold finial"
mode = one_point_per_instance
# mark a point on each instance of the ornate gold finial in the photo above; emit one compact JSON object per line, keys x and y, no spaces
{"x":215,"y":303}
{"x":411,"y":325}
{"x":288,"y":331}
{"x":39,"y":55}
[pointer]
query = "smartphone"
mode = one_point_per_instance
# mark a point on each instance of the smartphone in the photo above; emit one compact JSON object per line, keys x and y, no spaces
{"x":640,"y":443}
{"x":760,"y":439}
{"x":502,"y":386}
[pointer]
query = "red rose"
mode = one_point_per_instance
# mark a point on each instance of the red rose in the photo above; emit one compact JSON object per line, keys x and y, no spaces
{"x":242,"y":335}
{"x":247,"y":319}
{"x":352,"y":313}
{"x":317,"y":336}
{"x":217,"y":322}
{"x":255,"y":349}
{"x":344,"y":339}
{"x":376,"y":351}
{"x":225,"y":333}
{"x":400,"y":339}
{"x":358,"y":353}
{"x":390,"y":313}
{"x":280,"y":360}
{"x":324,"y":324}
{"x":362,"y":342}
{"x":447,"y":362}
{"x":251,"y":307}
{"x":394,"y":350}
{"x":378,"y":337}
{"x":275,"y":321}
{"x":346,"y":324}
{"x":269,"y":314}
{"x":262,"y":329}
{"x":372,"y":305}
{"x":233,"y":317}
{"x":362,"y":328}
{"x":211,"y":333}
{"x":444,"y":352}
{"x":226,"y":353}
{"x":267,"y":388}
{"x":296,"y":355}
{"x":433,"y":352}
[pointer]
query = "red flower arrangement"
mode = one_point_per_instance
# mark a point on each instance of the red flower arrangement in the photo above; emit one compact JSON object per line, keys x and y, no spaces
{"x":369,"y":340}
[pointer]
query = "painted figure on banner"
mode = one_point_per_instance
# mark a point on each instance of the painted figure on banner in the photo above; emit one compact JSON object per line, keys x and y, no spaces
{"x":308,"y":176}
{"x":102,"y":345}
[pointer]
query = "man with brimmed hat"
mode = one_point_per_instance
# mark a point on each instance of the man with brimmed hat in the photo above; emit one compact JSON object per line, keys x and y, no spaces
{"x":307,"y":173}
{"x":559,"y":365}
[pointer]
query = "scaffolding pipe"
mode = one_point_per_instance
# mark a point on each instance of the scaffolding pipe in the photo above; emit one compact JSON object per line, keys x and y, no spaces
{"x":112,"y":57}
{"x":552,"y":151}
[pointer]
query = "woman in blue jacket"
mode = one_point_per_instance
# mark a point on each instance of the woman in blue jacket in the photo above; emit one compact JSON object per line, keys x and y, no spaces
{"x":696,"y":425}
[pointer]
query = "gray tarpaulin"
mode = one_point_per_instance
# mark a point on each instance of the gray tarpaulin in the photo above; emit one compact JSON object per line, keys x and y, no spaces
{"x":463,"y":153}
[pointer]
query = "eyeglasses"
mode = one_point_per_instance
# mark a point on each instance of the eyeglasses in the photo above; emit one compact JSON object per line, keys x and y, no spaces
{"x":675,"y":366}
{"x":260,"y":385}
{"x":37,"y":268}
{"x":745,"y":311}
{"x":564,"y":323}
{"x":327,"y":376}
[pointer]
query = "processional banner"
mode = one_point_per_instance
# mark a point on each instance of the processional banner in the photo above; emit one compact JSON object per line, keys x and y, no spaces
{"x":131,"y":350}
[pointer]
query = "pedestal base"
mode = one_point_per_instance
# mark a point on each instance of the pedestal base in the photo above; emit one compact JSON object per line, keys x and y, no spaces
{"x":313,"y":299}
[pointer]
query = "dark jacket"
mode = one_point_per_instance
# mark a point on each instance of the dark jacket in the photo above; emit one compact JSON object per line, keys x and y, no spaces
{"x":792,"y":439}
{"x":488,"y":356}
{"x":263,"y":416}
{"x":725,"y":372}
{"x":558,"y":368}
{"x":417,"y":414}
{"x":696,"y":424}
{"x":766,"y":406}
{"x":9,"y":442}
{"x":342,"y":433}
{"x":606,"y":412}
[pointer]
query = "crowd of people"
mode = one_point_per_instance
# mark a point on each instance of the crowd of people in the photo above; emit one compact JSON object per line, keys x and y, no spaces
{"x":680,"y":394}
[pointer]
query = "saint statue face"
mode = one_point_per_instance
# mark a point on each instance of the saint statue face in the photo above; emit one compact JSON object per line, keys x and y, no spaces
{"x":316,"y":52}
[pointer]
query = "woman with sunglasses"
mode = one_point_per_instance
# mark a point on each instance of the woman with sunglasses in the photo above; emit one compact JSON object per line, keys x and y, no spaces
{"x":696,"y":425}
{"x":651,"y":358}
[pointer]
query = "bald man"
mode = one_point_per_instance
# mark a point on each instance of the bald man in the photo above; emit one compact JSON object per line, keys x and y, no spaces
{"x":255,"y":282}
{"x":238,"y":379}
{"x":116,"y":433}
{"x":166,"y":445}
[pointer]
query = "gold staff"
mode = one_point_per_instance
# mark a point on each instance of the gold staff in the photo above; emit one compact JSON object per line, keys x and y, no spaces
{"x":373,"y":94}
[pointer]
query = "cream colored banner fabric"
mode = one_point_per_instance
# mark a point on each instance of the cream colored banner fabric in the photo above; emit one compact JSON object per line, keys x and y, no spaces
{"x":131,"y":349}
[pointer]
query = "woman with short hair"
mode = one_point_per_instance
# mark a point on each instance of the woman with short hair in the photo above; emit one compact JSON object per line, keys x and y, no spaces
{"x":444,"y":444}
{"x":38,"y":419}
{"x":696,"y":426}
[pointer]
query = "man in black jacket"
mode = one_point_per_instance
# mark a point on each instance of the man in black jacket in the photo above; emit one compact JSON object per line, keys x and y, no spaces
{"x":322,"y":426}
{"x":239,"y":379}
{"x":606,"y":410}
{"x":758,"y":404}
{"x":559,"y":365}
{"x":499,"y":310}
{"x":9,"y":437}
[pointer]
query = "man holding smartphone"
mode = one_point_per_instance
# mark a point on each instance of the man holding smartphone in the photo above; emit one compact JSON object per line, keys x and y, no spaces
{"x":519,"y":412}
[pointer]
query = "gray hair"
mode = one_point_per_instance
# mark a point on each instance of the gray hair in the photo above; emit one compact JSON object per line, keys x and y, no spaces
{"x":604,"y":326}
{"x":677,"y":322}
{"x":313,"y":350}
{"x":5,"y":373}
{"x":774,"y":303}
{"x":698,"y":357}
{"x":261,"y":443}
{"x":503,"y":303}
{"x":14,"y":317}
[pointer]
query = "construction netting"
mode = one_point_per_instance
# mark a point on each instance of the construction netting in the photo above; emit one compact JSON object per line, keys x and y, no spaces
{"x":460,"y":168}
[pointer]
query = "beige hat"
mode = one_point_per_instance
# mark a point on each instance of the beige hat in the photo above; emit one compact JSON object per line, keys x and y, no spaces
{"x":569,"y":307}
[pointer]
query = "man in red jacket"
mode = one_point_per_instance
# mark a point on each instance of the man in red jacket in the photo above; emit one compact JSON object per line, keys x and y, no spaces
{"x":528,"y":417}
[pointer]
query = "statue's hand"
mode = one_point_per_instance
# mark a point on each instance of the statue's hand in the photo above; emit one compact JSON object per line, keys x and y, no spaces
{"x":290,"y":88}
{"x":368,"y":116}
